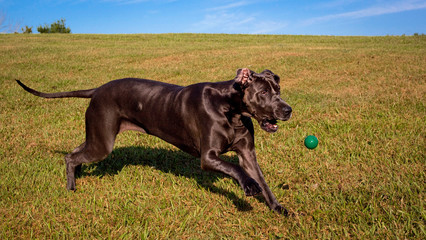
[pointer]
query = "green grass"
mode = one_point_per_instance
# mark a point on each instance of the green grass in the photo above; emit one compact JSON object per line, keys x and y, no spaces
{"x":363,"y":97}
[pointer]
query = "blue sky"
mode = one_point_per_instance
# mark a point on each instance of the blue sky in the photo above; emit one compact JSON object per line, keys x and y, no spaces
{"x":306,"y":17}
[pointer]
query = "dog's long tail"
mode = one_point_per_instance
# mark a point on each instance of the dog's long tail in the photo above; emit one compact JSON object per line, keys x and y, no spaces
{"x":77,"y":94}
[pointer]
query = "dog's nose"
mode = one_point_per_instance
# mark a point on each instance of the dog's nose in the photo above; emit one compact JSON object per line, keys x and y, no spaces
{"x":287,"y":113}
{"x":288,"y":110}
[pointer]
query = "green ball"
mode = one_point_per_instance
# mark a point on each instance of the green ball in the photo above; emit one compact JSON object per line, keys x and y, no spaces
{"x":311,"y":142}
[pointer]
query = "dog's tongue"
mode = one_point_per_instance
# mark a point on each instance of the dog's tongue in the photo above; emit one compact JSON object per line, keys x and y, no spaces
{"x":271,"y":126}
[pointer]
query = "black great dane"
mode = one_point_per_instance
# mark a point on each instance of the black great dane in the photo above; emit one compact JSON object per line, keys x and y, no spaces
{"x":204,"y":120}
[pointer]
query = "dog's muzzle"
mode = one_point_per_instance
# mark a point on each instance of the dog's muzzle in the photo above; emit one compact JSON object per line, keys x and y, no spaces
{"x":270,"y":125}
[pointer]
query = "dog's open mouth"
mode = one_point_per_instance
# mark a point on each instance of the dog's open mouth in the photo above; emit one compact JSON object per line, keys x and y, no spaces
{"x":269,"y":125}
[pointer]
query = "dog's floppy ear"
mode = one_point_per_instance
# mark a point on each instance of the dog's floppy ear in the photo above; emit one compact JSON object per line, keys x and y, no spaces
{"x":244,"y":77}
{"x":269,"y":72}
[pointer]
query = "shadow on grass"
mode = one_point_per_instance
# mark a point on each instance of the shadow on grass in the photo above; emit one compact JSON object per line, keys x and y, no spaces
{"x":168,"y":161}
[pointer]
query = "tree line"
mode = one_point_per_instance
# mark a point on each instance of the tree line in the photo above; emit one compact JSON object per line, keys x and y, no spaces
{"x":55,"y":27}
{"x":7,"y":26}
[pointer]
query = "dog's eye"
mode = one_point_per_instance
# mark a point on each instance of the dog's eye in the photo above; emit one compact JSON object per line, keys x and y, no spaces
{"x":263,"y":92}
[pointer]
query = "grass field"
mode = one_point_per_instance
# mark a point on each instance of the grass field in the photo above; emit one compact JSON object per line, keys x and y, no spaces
{"x":363,"y":97}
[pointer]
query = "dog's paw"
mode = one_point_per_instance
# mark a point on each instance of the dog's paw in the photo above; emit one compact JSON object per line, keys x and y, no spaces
{"x":281,"y":210}
{"x":71,"y":186}
{"x":251,"y":187}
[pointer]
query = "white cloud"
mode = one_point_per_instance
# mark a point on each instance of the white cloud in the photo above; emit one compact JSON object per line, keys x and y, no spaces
{"x":229,"y":6}
{"x":222,"y":20}
{"x":124,"y":2}
{"x":385,"y":8}
{"x":334,"y":4}
{"x":225,"y":22}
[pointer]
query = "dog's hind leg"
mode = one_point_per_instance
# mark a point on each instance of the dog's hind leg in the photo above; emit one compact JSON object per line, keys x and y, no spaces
{"x":78,"y":149}
{"x":88,"y":154}
{"x":101,"y":130}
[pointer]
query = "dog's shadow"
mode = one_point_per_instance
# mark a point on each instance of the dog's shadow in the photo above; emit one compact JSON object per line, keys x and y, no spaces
{"x":168,"y":161}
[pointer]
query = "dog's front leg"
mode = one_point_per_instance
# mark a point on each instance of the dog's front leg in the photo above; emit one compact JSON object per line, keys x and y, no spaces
{"x":211,"y":161}
{"x":248,"y":162}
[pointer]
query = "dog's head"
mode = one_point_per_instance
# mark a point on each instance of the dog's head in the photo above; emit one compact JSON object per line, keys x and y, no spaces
{"x":261,"y":98}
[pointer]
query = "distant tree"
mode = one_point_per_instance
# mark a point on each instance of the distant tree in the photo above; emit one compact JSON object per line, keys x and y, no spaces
{"x":27,"y":29}
{"x":45,"y":29}
{"x":56,"y":27}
